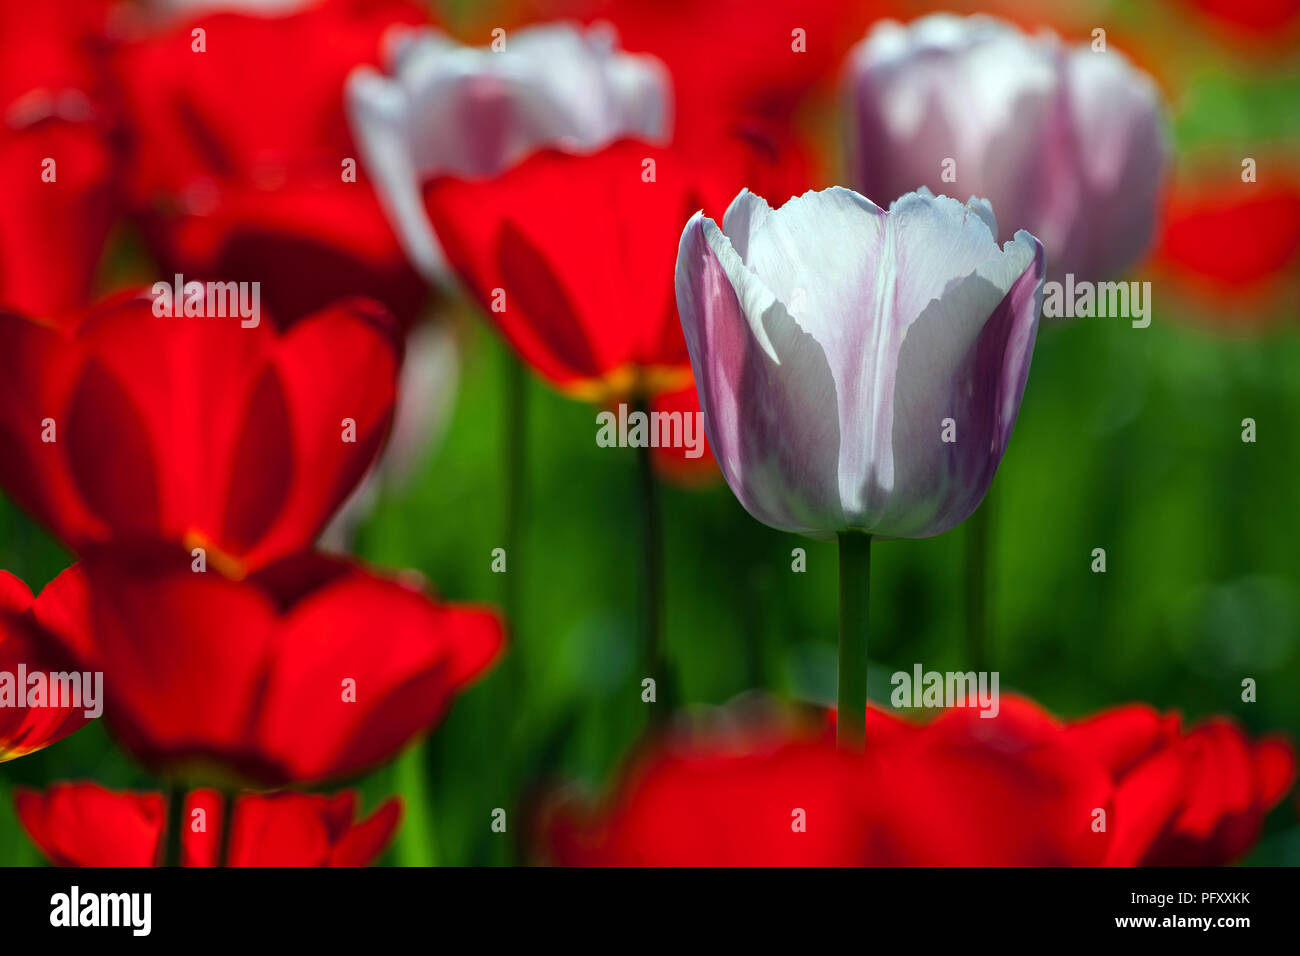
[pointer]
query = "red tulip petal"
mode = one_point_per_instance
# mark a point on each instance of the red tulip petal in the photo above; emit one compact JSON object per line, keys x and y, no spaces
{"x":1120,"y":737}
{"x":364,"y":842}
{"x":589,"y":300}
{"x":258,"y":685}
{"x":339,"y":365}
{"x":83,"y":824}
{"x":52,"y":233}
{"x":971,"y":790}
{"x":400,"y":686}
{"x":282,"y":829}
{"x":109,"y":453}
{"x":1147,"y":800}
{"x":1222,"y":809}
{"x":196,"y":698}
{"x":730,"y":803}
{"x":14,"y":593}
{"x":1275,"y":768}
{"x":26,"y":643}
{"x":293,"y":829}
{"x":63,"y":609}
{"x":194,"y":429}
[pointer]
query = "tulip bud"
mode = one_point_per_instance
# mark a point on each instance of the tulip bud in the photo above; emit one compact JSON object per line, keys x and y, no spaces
{"x":858,"y":369}
{"x":1066,"y":142}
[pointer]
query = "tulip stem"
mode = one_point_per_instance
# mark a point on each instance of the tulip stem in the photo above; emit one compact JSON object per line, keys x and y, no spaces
{"x":509,"y":719}
{"x":516,"y":439}
{"x":175,"y":825}
{"x":416,"y":781}
{"x":979,"y":559}
{"x":656,"y":659}
{"x":855,"y":586}
{"x":227,"y":827}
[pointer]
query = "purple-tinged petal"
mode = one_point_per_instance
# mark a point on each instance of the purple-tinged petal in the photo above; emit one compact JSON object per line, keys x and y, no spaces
{"x":764,"y":385}
{"x":956,"y":364}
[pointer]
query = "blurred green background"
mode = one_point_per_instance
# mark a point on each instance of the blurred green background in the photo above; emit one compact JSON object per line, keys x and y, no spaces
{"x":1128,"y":440}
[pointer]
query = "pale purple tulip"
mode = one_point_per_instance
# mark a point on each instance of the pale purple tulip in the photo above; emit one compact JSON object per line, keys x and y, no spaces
{"x":831,"y":341}
{"x":1066,"y":142}
{"x":474,"y":111}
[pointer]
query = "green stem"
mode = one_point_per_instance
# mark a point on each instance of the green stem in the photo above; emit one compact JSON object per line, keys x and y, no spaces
{"x":979,"y":561}
{"x":656,"y":658}
{"x":516,"y":440}
{"x":175,"y":830}
{"x":227,"y":827}
{"x":855,"y":584}
{"x":506,"y":774}
{"x":416,"y":841}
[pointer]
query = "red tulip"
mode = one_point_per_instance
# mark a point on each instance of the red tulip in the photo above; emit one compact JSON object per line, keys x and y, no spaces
{"x":726,"y":801}
{"x":1192,"y":799}
{"x":311,"y":669}
{"x":193,"y":429}
{"x":57,"y":154}
{"x":25,"y":642}
{"x":583,"y":248}
{"x":84,"y":824}
{"x":973,"y":791}
{"x":237,"y":155}
{"x":1019,"y":789}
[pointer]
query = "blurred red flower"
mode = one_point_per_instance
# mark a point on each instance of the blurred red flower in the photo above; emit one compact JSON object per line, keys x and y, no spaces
{"x":1234,"y":250}
{"x":308,"y":670}
{"x":723,"y":802}
{"x":1019,"y":789}
{"x":1260,"y":25}
{"x":193,"y":429}
{"x":236,"y":155}
{"x":24,"y":642}
{"x":582,"y":249}
{"x":54,"y":110}
{"x":1184,"y":798}
{"x":84,"y":824}
{"x":737,"y":61}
